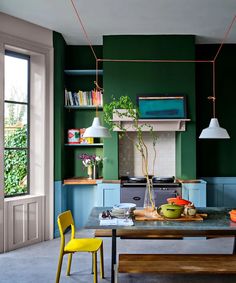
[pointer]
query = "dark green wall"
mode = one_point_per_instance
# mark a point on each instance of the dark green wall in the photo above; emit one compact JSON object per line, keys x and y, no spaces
{"x":59,"y":84}
{"x":67,"y":162}
{"x":144,"y":78}
{"x":79,"y":57}
{"x":216,"y":157}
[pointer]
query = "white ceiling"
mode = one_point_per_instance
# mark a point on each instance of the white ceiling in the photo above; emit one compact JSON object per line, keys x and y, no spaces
{"x":207,"y":19}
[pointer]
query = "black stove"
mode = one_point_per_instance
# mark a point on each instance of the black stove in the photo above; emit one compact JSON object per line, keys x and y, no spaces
{"x":133,"y":189}
{"x":141,"y":181}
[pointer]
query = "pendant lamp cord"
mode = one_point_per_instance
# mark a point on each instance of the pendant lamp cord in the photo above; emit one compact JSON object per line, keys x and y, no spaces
{"x":213,"y":97}
{"x":83,"y":29}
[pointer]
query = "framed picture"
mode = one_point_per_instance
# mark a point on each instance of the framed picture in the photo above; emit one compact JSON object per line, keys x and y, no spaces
{"x":162,"y":106}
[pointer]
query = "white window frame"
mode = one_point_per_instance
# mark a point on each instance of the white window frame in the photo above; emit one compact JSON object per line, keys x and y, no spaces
{"x":41,"y":107}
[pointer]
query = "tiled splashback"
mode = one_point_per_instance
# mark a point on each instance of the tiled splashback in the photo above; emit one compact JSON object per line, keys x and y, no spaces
{"x":130,"y":161}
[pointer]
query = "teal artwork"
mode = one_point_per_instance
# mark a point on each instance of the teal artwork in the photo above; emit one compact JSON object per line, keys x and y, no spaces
{"x":162,"y":107}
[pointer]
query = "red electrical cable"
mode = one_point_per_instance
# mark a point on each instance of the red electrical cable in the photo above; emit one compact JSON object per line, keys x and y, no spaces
{"x":148,"y":61}
{"x":84,"y":31}
{"x":213,"y":98}
{"x":224,"y":39}
{"x":154,"y":61}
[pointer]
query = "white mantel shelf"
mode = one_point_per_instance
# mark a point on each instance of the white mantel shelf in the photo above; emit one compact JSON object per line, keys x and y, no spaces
{"x":159,"y":125}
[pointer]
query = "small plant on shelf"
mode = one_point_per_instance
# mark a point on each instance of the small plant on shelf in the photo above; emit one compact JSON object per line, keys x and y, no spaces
{"x":91,"y":162}
{"x":124,"y":108}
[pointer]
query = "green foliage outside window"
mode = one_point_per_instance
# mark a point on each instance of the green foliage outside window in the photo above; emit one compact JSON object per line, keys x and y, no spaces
{"x":15,"y":162}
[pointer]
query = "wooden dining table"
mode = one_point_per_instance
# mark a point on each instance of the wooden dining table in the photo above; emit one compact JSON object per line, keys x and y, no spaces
{"x":216,"y":224}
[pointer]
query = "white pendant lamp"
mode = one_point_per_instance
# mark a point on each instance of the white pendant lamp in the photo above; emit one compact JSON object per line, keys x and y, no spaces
{"x":214,"y":131}
{"x":96,"y":130}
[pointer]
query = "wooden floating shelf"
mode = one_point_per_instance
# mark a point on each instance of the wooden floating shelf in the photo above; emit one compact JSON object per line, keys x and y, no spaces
{"x":81,"y":181}
{"x":165,"y":125}
{"x":87,"y":72}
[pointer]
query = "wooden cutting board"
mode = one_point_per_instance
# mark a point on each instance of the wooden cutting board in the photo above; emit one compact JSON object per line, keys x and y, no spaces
{"x":139,"y":216}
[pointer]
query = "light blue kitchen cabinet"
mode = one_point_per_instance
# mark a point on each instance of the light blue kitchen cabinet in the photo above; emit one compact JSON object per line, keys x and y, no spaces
{"x":221,"y":191}
{"x":195,"y":192}
{"x":60,"y":203}
{"x":108,"y":194}
{"x":80,"y":200}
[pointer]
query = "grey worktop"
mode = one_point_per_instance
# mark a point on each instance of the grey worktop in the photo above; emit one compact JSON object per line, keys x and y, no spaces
{"x":216,"y":223}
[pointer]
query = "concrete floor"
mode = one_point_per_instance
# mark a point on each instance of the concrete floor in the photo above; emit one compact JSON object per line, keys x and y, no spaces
{"x":38,"y":263}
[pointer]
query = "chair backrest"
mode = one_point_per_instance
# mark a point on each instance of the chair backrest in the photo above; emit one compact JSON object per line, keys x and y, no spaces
{"x":65,"y":220}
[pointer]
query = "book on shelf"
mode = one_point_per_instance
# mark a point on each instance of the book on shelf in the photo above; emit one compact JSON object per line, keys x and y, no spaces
{"x":83,"y":98}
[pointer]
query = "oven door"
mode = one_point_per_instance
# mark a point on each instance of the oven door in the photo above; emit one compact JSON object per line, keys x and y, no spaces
{"x":162,"y":194}
{"x":135,"y":194}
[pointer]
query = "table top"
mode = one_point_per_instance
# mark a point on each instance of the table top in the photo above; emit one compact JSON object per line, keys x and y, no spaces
{"x":217,"y":223}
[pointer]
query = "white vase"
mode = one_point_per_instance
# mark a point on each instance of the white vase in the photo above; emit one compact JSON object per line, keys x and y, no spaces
{"x":90,"y":171}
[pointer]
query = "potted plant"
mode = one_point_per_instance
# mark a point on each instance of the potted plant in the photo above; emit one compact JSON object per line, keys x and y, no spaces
{"x":91,"y":162}
{"x":130,"y":112}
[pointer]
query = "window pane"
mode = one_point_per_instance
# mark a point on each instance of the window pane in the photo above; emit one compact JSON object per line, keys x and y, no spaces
{"x":15,"y":173}
{"x":16,"y":127}
{"x":15,"y":122}
{"x":16,"y":79}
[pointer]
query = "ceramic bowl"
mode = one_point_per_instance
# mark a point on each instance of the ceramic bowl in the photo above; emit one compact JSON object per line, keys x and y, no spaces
{"x":232,"y":214}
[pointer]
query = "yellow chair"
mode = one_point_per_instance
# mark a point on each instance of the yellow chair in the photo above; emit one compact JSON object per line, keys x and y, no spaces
{"x":92,"y":245}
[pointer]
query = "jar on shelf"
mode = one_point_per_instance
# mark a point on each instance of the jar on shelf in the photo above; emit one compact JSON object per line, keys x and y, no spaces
{"x":73,"y":136}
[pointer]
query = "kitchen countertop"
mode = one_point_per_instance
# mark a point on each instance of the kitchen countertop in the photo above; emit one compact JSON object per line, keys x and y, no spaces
{"x":86,"y":181}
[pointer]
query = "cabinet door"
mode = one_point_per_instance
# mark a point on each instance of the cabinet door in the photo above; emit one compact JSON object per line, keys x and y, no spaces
{"x":108,"y":194}
{"x":221,"y":195}
{"x":198,"y":197}
{"x":229,"y":195}
{"x":195,"y":193}
{"x":214,"y":195}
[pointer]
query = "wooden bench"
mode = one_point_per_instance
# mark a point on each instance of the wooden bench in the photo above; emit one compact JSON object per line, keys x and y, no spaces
{"x":177,"y":264}
{"x":135,"y":234}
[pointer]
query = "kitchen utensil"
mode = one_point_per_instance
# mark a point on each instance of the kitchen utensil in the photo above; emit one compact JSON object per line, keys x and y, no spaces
{"x":178,"y":200}
{"x":190,"y":210}
{"x":137,"y":179}
{"x":171,"y":210}
{"x":119,"y":210}
{"x":124,"y":205}
{"x":163,"y":179}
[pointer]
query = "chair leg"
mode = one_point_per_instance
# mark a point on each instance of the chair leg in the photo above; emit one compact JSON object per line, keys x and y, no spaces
{"x":69,"y":264}
{"x":59,"y":267}
{"x":92,"y":269}
{"x":95,"y":267}
{"x":101,"y":262}
{"x":116,"y":273}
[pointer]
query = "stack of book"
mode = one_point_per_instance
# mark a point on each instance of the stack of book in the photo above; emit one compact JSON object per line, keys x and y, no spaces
{"x":83,"y":98}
